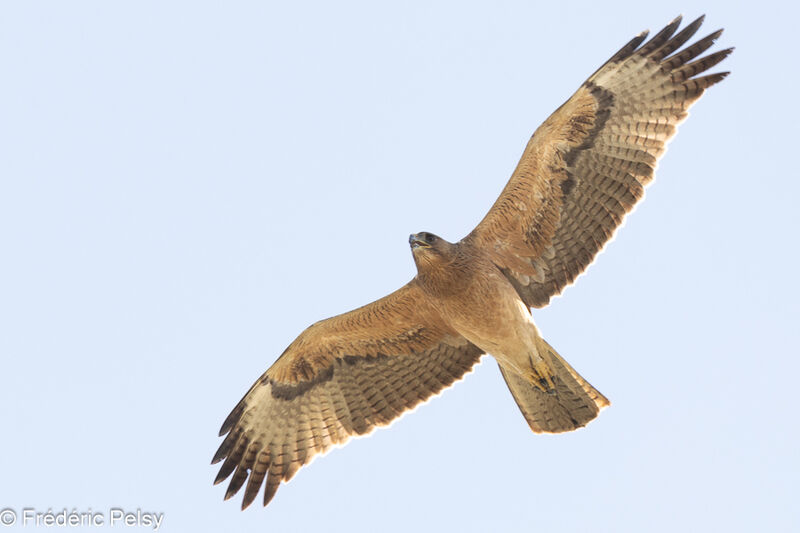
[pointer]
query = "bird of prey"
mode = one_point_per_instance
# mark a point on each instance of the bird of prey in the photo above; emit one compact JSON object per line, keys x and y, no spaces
{"x":582,"y":171}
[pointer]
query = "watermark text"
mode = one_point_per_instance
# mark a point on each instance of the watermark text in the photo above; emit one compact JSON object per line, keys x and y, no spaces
{"x":113,"y":517}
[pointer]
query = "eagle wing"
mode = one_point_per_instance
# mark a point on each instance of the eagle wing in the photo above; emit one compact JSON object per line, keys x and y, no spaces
{"x":341,"y":377}
{"x":587,"y":165}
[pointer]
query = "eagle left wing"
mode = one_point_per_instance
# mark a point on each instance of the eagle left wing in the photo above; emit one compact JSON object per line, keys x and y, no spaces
{"x":587,"y":165}
{"x":341,"y":377}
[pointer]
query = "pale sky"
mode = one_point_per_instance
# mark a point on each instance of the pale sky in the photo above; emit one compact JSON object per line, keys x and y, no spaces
{"x":185,"y":186}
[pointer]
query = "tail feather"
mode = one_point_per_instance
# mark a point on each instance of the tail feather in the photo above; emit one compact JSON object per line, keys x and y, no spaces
{"x":571,"y":404}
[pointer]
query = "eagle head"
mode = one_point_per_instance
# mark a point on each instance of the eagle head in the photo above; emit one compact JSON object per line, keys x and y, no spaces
{"x":429,"y":249}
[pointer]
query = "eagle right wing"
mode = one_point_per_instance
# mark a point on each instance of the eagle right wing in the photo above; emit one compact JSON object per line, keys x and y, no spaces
{"x":341,"y":377}
{"x":587,"y":165}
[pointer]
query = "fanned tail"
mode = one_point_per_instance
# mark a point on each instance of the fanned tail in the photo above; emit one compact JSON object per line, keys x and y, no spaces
{"x":569,"y":404}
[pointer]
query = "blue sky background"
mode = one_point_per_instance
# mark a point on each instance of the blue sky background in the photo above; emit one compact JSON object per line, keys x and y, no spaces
{"x":185,"y":186}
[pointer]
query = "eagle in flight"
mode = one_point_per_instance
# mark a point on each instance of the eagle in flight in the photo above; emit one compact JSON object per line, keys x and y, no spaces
{"x":582,"y":171}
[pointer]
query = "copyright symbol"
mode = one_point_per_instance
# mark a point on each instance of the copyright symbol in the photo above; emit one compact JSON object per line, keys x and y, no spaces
{"x":8,"y":517}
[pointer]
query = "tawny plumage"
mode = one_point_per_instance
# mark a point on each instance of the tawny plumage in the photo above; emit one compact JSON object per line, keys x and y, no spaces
{"x":583,"y":170}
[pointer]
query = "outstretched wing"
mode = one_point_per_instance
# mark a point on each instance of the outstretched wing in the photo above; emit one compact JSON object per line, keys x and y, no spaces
{"x":586,"y":167}
{"x":341,"y":377}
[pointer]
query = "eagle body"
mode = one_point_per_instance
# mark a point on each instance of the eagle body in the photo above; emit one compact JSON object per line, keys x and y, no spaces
{"x":582,"y":171}
{"x":478,"y":302}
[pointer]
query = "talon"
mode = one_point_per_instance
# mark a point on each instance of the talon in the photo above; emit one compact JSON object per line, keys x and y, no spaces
{"x":547,"y":385}
{"x":543,"y":379}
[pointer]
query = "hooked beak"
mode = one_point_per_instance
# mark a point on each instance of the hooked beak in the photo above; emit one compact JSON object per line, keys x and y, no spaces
{"x":417,"y":242}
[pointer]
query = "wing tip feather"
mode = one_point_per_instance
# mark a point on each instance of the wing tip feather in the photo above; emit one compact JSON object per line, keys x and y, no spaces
{"x":248,"y":498}
{"x":232,"y":418}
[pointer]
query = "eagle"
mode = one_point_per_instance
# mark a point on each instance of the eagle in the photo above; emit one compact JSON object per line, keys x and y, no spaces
{"x":582,"y":171}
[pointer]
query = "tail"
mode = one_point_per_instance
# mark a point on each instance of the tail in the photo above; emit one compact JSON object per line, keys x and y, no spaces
{"x":569,"y":404}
